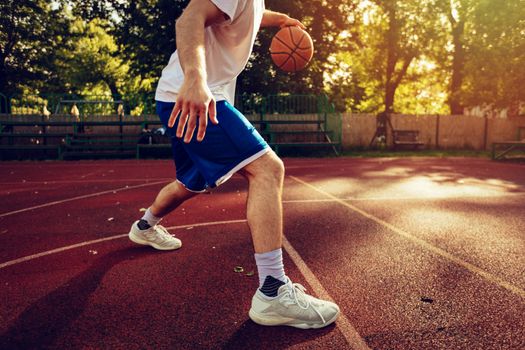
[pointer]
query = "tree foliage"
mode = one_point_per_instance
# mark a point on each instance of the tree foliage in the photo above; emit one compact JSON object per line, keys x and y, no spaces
{"x":30,"y":31}
{"x":495,"y":39}
{"x":324,"y":21}
{"x":91,"y":57}
{"x":146,"y":31}
{"x":424,"y":56}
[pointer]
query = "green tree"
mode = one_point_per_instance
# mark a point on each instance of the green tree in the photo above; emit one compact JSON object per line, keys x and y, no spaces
{"x":91,"y":57}
{"x":494,"y":69}
{"x":390,"y":65}
{"x":146,"y":31}
{"x":408,"y":31}
{"x":30,"y":32}
{"x":325,"y":20}
{"x":92,"y":9}
{"x":457,"y":13}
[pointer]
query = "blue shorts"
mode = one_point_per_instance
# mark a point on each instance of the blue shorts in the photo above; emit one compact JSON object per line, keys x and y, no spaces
{"x":226,"y":148}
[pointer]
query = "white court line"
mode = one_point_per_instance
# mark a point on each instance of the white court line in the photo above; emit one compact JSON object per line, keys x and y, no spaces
{"x":18,"y":190}
{"x":349,"y":332}
{"x":69,"y":247}
{"x":364,"y":199}
{"x":443,"y":253}
{"x":303,"y":166}
{"x":81,"y":181}
{"x":344,"y":325}
{"x":79,"y":197}
{"x":92,"y":173}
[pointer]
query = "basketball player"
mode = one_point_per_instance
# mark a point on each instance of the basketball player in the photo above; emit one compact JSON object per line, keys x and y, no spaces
{"x":214,"y":41}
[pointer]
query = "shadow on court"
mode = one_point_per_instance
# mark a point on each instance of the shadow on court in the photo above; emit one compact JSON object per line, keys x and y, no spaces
{"x":42,"y":322}
{"x":252,"y":336}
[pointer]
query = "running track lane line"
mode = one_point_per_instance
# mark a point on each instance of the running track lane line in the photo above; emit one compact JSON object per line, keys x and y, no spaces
{"x":441,"y":252}
{"x":80,"y":197}
{"x":349,"y":332}
{"x":78,"y":245}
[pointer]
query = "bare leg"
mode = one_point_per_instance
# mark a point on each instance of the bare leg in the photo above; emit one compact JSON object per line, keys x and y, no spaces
{"x":264,"y":207}
{"x":169,"y":198}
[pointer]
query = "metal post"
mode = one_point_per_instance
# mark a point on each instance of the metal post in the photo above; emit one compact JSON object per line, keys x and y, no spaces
{"x":485,"y":133}
{"x":437,"y":130}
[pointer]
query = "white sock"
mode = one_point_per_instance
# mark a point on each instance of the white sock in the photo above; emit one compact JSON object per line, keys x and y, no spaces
{"x":150,"y":218}
{"x":270,"y":264}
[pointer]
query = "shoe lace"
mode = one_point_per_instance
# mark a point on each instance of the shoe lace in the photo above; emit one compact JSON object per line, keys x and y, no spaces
{"x":162,"y":232}
{"x":296,"y":294}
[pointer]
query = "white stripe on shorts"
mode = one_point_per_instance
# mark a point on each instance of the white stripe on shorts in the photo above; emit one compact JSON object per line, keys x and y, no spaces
{"x":241,"y":165}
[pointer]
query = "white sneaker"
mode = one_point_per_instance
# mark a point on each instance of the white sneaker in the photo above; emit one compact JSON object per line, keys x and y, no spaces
{"x":292,"y":307}
{"x":157,"y":237}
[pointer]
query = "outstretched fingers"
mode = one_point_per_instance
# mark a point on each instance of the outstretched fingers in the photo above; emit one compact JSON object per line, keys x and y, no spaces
{"x":183,"y":118}
{"x":192,"y":124}
{"x":213,"y":112}
{"x":191,"y":117}
{"x":203,"y":122}
{"x":174,"y":115}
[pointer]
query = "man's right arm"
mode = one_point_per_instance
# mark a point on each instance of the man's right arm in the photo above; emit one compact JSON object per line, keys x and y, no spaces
{"x":194,"y":97}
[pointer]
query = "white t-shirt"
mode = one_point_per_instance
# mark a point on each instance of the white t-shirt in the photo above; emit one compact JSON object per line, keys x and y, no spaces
{"x":227,"y":45}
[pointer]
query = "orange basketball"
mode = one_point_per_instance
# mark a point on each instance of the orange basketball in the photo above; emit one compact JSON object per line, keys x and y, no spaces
{"x":291,"y":49}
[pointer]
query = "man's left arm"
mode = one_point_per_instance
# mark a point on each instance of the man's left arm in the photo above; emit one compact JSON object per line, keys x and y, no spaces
{"x":277,"y":19}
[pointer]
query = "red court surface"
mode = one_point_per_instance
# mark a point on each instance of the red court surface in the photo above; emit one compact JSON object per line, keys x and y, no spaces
{"x":420,"y":253}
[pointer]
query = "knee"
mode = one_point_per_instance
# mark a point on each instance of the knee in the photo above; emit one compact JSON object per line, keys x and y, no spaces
{"x":269,"y":169}
{"x":275,"y":169}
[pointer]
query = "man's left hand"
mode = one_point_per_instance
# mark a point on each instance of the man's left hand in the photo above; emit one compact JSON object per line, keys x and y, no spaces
{"x":292,"y":22}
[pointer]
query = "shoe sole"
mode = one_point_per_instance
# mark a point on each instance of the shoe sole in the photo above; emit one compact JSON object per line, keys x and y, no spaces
{"x":265,"y":321}
{"x":140,"y":241}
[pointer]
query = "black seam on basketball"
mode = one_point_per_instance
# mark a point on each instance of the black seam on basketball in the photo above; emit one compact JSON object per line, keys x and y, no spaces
{"x":304,"y":58}
{"x":293,"y":50}
{"x":297,"y":47}
{"x":279,"y":53}
{"x":291,"y":34}
{"x":300,"y":40}
{"x":286,"y":60}
{"x":285,"y":44}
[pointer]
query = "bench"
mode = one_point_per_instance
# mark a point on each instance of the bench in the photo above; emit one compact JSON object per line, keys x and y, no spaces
{"x":98,"y":151}
{"x":12,"y":138}
{"x":322,"y":146}
{"x":507,"y":147}
{"x":102,"y":145}
{"x":279,"y":131}
{"x":406,"y":138}
{"x":309,"y":134}
{"x":80,"y":139}
{"x":322,"y":140}
{"x":292,"y":136}
{"x":6,"y":151}
{"x":156,"y":148}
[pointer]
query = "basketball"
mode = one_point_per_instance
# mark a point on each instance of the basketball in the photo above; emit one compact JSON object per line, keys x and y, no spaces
{"x":291,"y":49}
